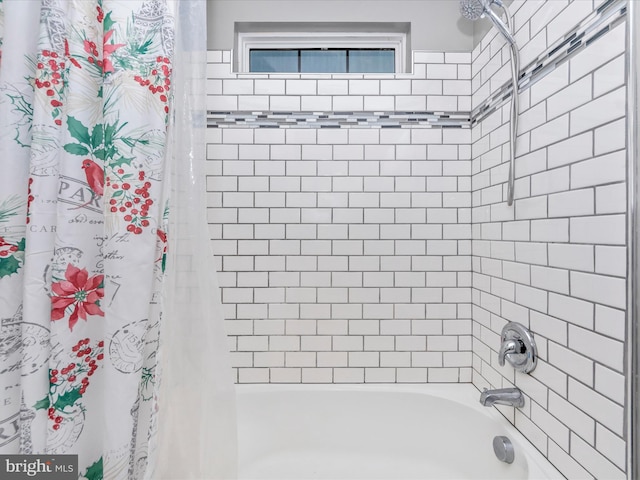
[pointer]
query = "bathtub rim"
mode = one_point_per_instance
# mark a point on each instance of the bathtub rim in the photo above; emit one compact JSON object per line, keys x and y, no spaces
{"x":465,"y":394}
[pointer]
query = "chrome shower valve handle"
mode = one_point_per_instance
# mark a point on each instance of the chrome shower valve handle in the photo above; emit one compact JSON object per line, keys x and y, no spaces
{"x":508,"y":347}
{"x":518,"y":347}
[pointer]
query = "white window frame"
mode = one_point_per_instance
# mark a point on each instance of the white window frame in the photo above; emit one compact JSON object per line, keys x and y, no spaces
{"x":301,"y":40}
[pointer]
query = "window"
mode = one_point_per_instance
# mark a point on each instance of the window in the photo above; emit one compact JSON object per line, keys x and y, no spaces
{"x":323,"y":60}
{"x":321,"y":52}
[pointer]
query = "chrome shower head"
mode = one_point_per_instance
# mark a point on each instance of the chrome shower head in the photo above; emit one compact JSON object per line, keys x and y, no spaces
{"x":475,"y":9}
{"x":472,"y":9}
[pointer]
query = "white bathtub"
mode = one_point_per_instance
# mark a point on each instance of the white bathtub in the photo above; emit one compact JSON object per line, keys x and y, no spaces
{"x":392,"y":432}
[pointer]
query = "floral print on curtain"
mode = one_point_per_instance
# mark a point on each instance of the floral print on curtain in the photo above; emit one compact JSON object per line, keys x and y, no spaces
{"x":84,"y":108}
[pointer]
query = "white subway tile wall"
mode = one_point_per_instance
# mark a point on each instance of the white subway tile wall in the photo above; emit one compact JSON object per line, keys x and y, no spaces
{"x":369,"y":254}
{"x":569,"y":237}
{"x":344,"y":253}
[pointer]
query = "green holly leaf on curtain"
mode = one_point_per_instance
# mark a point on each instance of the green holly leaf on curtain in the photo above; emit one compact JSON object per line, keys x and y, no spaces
{"x":109,"y":132}
{"x":42,"y":404}
{"x":76,"y":149}
{"x":91,"y":142}
{"x":67,"y":399}
{"x":22,"y":244}
{"x":107,"y":22}
{"x":110,"y":152}
{"x":78,"y":130}
{"x":97,"y":136}
{"x":9,"y":266}
{"x":99,"y":153}
{"x":94,"y":472}
{"x":121,"y":161}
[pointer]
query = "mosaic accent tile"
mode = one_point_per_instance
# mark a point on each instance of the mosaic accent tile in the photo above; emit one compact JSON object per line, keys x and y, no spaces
{"x":608,"y":16}
{"x":338,"y":119}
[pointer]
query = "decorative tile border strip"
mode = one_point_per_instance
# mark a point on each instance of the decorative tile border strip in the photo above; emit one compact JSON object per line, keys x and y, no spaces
{"x":604,"y":19}
{"x":337,"y":119}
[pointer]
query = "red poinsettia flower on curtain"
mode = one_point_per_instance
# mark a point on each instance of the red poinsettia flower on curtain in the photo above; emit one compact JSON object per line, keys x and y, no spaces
{"x":79,"y":291}
{"x":107,"y":50}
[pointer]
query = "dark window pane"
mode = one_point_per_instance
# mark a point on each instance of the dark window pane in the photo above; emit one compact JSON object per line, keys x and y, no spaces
{"x":371,"y":61}
{"x":273,"y":61}
{"x":323,"y":61}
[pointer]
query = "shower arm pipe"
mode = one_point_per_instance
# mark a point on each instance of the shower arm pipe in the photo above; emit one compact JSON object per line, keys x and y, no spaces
{"x":515,"y":72}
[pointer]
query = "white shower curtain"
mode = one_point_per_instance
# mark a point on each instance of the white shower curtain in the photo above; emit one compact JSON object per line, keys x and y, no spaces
{"x":98,"y":128}
{"x":199,"y":426}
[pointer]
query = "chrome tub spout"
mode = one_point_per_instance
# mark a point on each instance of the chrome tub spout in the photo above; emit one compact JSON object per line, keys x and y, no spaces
{"x":502,"y":396}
